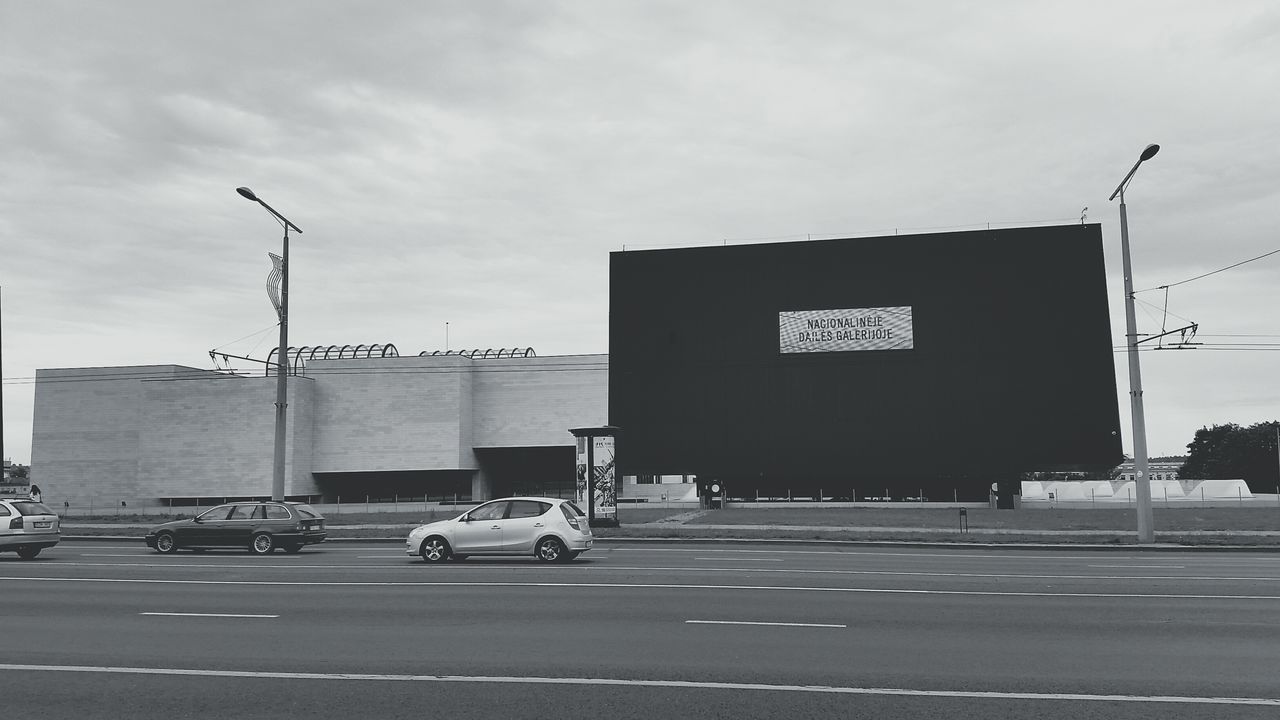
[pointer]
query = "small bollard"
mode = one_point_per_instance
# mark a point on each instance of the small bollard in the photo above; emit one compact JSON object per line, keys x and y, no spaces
{"x":964,"y":520}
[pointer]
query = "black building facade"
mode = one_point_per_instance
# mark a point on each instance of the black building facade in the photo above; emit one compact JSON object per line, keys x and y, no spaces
{"x":933,"y":361}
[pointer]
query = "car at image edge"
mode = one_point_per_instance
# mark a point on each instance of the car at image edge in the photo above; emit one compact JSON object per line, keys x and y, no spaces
{"x":260,"y":526}
{"x":27,"y":526}
{"x":550,"y":529}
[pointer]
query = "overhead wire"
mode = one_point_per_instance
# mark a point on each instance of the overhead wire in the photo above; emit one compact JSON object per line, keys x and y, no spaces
{"x":1213,"y":272}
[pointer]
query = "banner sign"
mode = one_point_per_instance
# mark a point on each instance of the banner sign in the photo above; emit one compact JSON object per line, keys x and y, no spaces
{"x":582,"y":494}
{"x":885,"y":328}
{"x":597,"y":453}
{"x":606,"y":497}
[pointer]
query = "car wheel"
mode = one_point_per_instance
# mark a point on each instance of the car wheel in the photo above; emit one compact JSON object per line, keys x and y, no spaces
{"x":434,"y":550}
{"x":262,"y":544}
{"x":549,"y":550}
{"x":165,"y":543}
{"x":27,"y":553}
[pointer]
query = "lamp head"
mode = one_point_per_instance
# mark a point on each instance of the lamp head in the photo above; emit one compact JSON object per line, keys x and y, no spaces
{"x":1149,"y":152}
{"x":248,"y":194}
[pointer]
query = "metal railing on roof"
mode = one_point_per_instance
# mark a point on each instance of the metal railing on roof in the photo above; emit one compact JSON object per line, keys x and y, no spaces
{"x":478,"y":354}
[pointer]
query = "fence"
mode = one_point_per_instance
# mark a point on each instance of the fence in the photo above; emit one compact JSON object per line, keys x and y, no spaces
{"x":95,"y":506}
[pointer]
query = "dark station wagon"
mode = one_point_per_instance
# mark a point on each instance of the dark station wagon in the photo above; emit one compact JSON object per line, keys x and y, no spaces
{"x":258,"y":526}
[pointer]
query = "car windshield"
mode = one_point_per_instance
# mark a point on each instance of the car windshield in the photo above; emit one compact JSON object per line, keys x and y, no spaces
{"x":31,"y":507}
{"x":307,"y":511}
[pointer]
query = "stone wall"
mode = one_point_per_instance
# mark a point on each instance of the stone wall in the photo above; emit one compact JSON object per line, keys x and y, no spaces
{"x":210,"y":437}
{"x":166,"y":431}
{"x":380,"y":414}
{"x":532,"y":402}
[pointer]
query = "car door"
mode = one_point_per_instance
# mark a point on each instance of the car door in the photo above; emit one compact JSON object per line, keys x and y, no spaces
{"x":480,"y":530}
{"x":239,"y":525}
{"x":203,"y":528}
{"x":525,"y":523}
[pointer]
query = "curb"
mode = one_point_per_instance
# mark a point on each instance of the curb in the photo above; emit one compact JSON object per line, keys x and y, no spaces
{"x":1158,"y":547}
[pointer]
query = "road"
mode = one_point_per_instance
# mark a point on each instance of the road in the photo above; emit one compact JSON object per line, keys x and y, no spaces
{"x":642,"y":630}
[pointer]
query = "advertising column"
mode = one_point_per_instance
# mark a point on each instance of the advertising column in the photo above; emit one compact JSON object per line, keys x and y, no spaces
{"x":596,"y":484}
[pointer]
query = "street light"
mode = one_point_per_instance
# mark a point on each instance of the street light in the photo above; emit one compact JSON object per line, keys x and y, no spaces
{"x":282,"y":360}
{"x":1146,"y":530}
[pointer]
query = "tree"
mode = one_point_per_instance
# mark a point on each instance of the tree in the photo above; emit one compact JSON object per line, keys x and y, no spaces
{"x":18,"y":472}
{"x":1226,"y":452}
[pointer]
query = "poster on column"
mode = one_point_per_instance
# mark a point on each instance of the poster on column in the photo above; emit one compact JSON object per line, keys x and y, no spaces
{"x":580,"y":492}
{"x":604,"y":474}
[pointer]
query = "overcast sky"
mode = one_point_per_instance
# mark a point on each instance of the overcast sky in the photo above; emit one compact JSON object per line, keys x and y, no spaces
{"x":474,"y":163}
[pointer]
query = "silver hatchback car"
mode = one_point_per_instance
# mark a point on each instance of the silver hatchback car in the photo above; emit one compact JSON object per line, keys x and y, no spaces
{"x":27,"y":526}
{"x":550,"y":529}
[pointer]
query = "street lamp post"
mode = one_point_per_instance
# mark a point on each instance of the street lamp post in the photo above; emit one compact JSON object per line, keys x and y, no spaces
{"x":282,"y":359}
{"x":1142,"y":479}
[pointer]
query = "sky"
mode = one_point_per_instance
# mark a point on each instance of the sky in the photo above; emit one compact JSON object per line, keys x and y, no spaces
{"x":462,"y":170}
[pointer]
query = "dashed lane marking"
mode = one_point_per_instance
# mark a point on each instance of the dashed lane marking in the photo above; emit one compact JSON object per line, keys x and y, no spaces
{"x":773,"y":624}
{"x":207,"y":615}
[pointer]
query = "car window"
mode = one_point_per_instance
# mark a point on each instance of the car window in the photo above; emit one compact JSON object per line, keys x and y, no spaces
{"x":4,"y":511}
{"x":527,"y":508}
{"x":491,"y":511}
{"x":575,"y":509}
{"x":306,"y":511}
{"x":277,"y":512}
{"x":218,"y":513}
{"x":31,"y":507}
{"x":242,"y":512}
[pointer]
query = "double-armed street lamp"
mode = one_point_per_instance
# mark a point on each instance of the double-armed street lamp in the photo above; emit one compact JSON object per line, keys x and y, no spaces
{"x":1142,"y":479}
{"x":282,"y":359}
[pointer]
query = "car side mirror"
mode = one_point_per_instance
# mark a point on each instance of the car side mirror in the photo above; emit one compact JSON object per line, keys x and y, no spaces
{"x":466,"y":518}
{"x":196,"y":520}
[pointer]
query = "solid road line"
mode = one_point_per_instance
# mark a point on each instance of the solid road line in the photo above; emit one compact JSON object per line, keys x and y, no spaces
{"x":511,"y":680}
{"x":774,"y":624}
{"x":206,"y":615}
{"x":645,"y":586}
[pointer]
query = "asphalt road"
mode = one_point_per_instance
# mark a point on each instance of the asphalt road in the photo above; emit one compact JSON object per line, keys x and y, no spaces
{"x":642,"y":630}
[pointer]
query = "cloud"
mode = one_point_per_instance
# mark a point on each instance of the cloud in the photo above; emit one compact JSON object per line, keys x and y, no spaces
{"x":475,"y":163}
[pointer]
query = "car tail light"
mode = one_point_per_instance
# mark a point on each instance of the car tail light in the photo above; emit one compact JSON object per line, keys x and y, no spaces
{"x":15,"y":524}
{"x":573,"y":523}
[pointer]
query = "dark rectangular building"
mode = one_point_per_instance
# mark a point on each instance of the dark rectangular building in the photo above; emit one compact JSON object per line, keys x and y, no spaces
{"x":923,"y":361}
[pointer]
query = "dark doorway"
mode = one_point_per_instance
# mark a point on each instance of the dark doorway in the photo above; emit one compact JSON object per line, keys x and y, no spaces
{"x":544,"y":471}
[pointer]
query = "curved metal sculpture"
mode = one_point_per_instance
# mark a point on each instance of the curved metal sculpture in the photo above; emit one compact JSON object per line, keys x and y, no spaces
{"x":478,"y":354}
{"x":298,"y":356}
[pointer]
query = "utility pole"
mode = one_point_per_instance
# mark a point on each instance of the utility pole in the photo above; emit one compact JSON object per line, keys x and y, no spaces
{"x":1142,"y":478}
{"x":282,"y":360}
{"x":2,"y":455}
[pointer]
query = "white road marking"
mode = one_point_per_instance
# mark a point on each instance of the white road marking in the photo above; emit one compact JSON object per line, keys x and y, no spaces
{"x":861,"y":553}
{"x":538,"y":567}
{"x":206,"y":615}
{"x":1142,"y":567}
{"x":777,"y":624}
{"x":681,"y":684}
{"x":657,"y":586}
